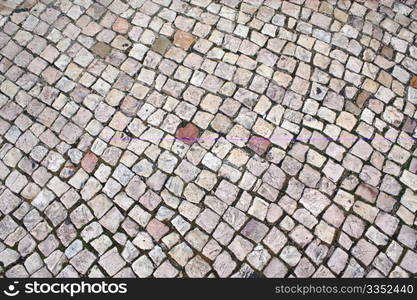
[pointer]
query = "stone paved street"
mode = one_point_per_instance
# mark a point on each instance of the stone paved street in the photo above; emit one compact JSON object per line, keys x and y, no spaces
{"x":208,"y":138}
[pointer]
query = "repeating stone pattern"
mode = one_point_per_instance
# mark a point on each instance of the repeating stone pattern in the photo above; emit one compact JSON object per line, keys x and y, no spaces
{"x":208,"y":138}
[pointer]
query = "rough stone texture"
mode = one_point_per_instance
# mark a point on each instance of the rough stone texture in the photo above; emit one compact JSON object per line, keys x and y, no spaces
{"x":259,"y":145}
{"x":188,"y":134}
{"x":208,"y":138}
{"x":183,"y":39}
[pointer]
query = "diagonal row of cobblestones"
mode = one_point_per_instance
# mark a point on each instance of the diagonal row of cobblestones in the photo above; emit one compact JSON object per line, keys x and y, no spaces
{"x":208,"y":138}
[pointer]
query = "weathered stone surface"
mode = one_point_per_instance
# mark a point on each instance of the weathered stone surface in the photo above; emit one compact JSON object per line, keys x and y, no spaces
{"x":183,"y":39}
{"x":89,"y":162}
{"x":188,"y":134}
{"x":259,"y":145}
{"x":208,"y":138}
{"x":161,"y":45}
{"x":101,"y":49}
{"x":413,"y":81}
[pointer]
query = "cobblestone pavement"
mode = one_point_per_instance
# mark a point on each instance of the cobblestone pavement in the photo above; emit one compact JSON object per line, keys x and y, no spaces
{"x":204,"y":138}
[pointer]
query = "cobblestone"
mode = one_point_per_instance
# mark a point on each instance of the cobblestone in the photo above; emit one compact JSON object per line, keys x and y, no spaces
{"x":208,"y":138}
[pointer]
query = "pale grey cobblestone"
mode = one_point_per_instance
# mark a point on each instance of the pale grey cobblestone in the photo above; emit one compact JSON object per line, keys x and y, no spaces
{"x":208,"y":138}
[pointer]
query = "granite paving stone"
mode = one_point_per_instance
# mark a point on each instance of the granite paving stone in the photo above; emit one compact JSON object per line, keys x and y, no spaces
{"x":208,"y":138}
